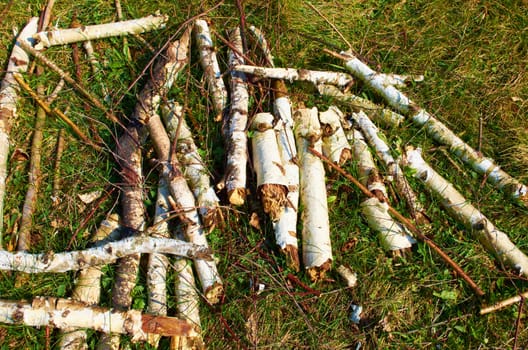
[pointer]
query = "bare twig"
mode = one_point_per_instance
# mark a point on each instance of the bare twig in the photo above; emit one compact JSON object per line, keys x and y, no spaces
{"x":59,"y":149}
{"x":518,"y":323}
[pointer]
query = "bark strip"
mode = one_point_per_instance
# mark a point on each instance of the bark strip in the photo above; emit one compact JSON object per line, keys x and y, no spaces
{"x":494,"y":240}
{"x":99,"y":31}
{"x":317,"y":247}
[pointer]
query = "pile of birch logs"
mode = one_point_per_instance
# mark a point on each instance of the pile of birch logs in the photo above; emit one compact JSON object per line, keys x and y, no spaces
{"x":288,"y":148}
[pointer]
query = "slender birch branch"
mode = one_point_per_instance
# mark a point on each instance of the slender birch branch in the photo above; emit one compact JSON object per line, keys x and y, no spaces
{"x":292,"y":74}
{"x":494,"y":240}
{"x":67,"y":314}
{"x":372,"y":133}
{"x":286,"y":227}
{"x":263,"y":44}
{"x":235,"y":127}
{"x":335,"y":143}
{"x":59,"y":149}
{"x":90,"y":53}
{"x":504,"y":303}
{"x":99,"y":31}
{"x":104,"y":254}
{"x":18,"y":63}
{"x":271,"y":180}
{"x":194,"y":168}
{"x":379,"y":114}
{"x":317,"y":247}
{"x":88,"y":287}
{"x":210,"y":66}
{"x":437,"y":130}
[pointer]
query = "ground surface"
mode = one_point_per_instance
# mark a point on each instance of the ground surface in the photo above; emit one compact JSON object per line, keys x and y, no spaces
{"x":474,"y":57}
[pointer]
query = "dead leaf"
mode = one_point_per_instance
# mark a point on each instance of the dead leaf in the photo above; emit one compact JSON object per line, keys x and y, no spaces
{"x":254,"y":221}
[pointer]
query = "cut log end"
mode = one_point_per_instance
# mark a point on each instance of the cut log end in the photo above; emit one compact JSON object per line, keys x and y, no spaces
{"x":318,"y":273}
{"x":274,"y":200}
{"x":237,"y":197}
{"x":214,"y":293}
{"x":291,"y":254}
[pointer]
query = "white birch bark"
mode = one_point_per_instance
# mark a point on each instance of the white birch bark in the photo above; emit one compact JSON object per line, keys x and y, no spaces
{"x":286,"y":227}
{"x":438,"y":130}
{"x":494,"y":240}
{"x":213,"y":75}
{"x":272,"y":186}
{"x":317,"y":247}
{"x":235,"y":127}
{"x":292,"y":74}
{"x":99,"y":31}
{"x":18,"y":63}
{"x":371,"y":132}
{"x":379,"y":114}
{"x":194,"y":168}
{"x":67,"y":314}
{"x":335,"y":143}
{"x":348,"y":275}
{"x":88,"y":287}
{"x":263,"y":44}
{"x":101,"y":255}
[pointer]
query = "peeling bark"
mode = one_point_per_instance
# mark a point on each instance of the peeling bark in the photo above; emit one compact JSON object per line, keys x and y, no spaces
{"x":317,"y":247}
{"x":335,"y":143}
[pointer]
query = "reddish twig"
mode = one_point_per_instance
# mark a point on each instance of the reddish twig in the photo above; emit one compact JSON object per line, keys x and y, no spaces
{"x":303,"y":285}
{"x":518,"y":322}
{"x":407,"y":223}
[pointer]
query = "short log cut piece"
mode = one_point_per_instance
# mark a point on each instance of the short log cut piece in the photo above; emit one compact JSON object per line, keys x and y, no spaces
{"x":317,"y":247}
{"x":88,"y":287}
{"x":437,"y":130}
{"x":372,"y":133}
{"x":272,"y":186}
{"x":286,"y":227}
{"x":18,"y":63}
{"x":292,"y":74}
{"x":99,"y":31}
{"x":392,"y":235}
{"x":67,"y":314}
{"x":379,"y":114}
{"x":100,"y":255}
{"x":494,"y":240}
{"x":335,"y":143}
{"x":194,"y":168}
{"x":213,"y":75}
{"x":235,"y":127}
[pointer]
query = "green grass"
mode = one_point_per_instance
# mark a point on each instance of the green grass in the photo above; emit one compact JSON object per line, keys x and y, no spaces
{"x":474,"y":58}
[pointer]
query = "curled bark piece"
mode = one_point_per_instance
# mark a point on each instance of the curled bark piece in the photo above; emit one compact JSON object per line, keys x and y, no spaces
{"x":66,"y":314}
{"x":291,"y":74}
{"x":105,"y":254}
{"x":194,"y":168}
{"x":335,"y":144}
{"x":209,"y":63}
{"x":437,"y":130}
{"x":88,"y":288}
{"x":286,"y":227}
{"x":317,"y":247}
{"x":371,"y":133}
{"x":377,"y":113}
{"x":235,"y":127}
{"x":494,"y":240}
{"x":348,"y":275}
{"x":99,"y":31}
{"x":18,"y":63}
{"x":271,"y":181}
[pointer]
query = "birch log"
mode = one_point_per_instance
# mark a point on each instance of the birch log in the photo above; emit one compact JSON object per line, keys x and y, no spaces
{"x":335,"y":143}
{"x":379,"y":114}
{"x":18,"y":63}
{"x":99,"y":31}
{"x":66,"y":314}
{"x":213,"y":75}
{"x":286,"y":227}
{"x":317,"y":247}
{"x":194,"y":168}
{"x":494,"y":240}
{"x":88,"y":288}
{"x":392,"y":235}
{"x":235,"y":127}
{"x":371,"y":132}
{"x":272,"y":186}
{"x":292,"y":74}
{"x":437,"y":130}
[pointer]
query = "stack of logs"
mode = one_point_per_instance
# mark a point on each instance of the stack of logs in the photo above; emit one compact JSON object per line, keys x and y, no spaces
{"x":288,"y":149}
